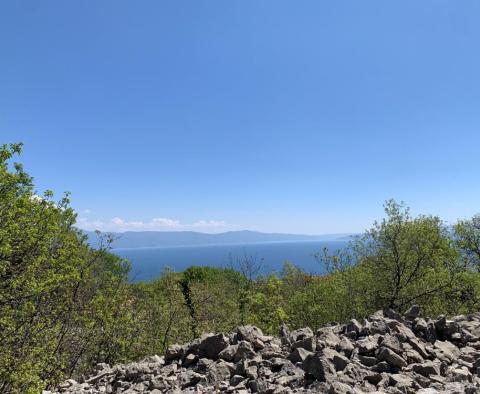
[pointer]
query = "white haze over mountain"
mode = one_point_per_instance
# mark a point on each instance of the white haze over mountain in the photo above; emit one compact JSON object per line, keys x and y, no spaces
{"x":118,"y":224}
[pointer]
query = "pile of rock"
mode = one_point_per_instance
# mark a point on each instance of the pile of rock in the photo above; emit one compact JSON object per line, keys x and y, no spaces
{"x":384,"y":353}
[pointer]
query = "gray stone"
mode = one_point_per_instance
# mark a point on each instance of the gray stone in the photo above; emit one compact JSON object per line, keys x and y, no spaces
{"x":228,"y":354}
{"x":219,"y":371}
{"x":308,"y":343}
{"x":385,"y":354}
{"x":339,"y":361}
{"x":189,"y":378}
{"x":392,"y":343}
{"x":388,"y":355}
{"x":420,"y":325}
{"x":250,"y":334}
{"x":300,"y":334}
{"x":413,"y":312}
{"x":427,"y":368}
{"x":460,"y":374}
{"x":366,"y":346}
{"x":298,"y":355}
{"x":447,"y":349}
{"x":378,"y":327}
{"x":345,"y":346}
{"x":212,"y":344}
{"x":328,"y":337}
{"x":368,"y":361}
{"x":339,"y":388}
{"x":401,"y":381}
{"x":174,"y":352}
{"x":353,"y":327}
{"x":319,"y":367}
{"x":244,"y":351}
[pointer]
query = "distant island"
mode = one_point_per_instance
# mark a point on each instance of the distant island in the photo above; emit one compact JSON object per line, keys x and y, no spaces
{"x":151,"y":239}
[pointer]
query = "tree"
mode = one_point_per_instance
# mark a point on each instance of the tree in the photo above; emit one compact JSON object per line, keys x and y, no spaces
{"x":467,"y":234}
{"x":267,"y":304}
{"x":101,"y":328}
{"x":58,"y":297}
{"x":249,"y":267}
{"x":40,"y":253}
{"x":161,"y":314}
{"x":409,"y":260}
{"x":211,"y":296}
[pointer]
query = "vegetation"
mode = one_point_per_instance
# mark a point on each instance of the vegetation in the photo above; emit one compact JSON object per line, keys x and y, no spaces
{"x":65,"y":307}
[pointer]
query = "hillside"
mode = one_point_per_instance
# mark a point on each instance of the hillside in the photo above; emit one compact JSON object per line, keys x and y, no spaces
{"x":385,"y":353}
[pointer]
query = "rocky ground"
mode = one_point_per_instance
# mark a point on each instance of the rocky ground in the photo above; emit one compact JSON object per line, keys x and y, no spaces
{"x":384,"y":353}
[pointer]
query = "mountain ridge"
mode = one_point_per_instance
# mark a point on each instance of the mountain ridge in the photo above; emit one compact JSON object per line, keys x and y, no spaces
{"x":150,"y":239}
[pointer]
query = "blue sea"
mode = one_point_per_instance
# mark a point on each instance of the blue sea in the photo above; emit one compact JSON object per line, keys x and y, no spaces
{"x":148,"y":263}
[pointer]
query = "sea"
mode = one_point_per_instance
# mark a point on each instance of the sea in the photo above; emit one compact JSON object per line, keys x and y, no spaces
{"x":148,"y":263}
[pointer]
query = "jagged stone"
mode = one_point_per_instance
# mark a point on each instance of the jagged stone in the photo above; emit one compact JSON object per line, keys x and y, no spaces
{"x":250,"y":334}
{"x":368,"y":361}
{"x":328,"y":337}
{"x":391,"y":314}
{"x":426,"y":369}
{"x":219,"y":371}
{"x":385,"y":353}
{"x":319,"y":367}
{"x":353,"y":328}
{"x":301,"y":334}
{"x":339,"y":388}
{"x":366,"y":346}
{"x":236,"y":379}
{"x":212,"y":344}
{"x":446,"y":351}
{"x":308,"y":343}
{"x":460,"y":374}
{"x":251,"y":372}
{"x":427,"y":391}
{"x":413,"y":312}
{"x":388,"y":355}
{"x":382,"y":366}
{"x":345,"y":346}
{"x":411,"y":355}
{"x":392,"y":343}
{"x":420,"y":325}
{"x":244,"y":351}
{"x":339,"y":361}
{"x":298,"y":355}
{"x":258,"y":386}
{"x":228,"y":354}
{"x":189,"y":378}
{"x":377,"y":327}
{"x":400,"y":381}
{"x":174,"y":352}
{"x":374,"y":378}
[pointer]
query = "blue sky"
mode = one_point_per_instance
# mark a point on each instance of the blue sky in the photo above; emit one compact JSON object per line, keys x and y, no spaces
{"x":268,"y":115}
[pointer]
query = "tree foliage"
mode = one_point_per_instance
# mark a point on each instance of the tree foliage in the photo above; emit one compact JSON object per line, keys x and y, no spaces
{"x":408,"y":259}
{"x":55,"y":291}
{"x":468,"y":241}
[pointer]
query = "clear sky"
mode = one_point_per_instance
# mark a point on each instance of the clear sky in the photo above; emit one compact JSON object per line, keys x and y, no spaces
{"x":288,"y":116}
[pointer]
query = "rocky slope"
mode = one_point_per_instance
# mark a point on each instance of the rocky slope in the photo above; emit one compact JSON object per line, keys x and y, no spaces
{"x":384,"y":353}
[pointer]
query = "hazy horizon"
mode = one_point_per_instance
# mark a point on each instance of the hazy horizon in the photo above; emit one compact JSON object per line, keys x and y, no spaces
{"x":221,"y":232}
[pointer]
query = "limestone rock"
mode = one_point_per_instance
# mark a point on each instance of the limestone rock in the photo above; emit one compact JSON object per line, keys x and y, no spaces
{"x":212,"y":344}
{"x":386,"y":353}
